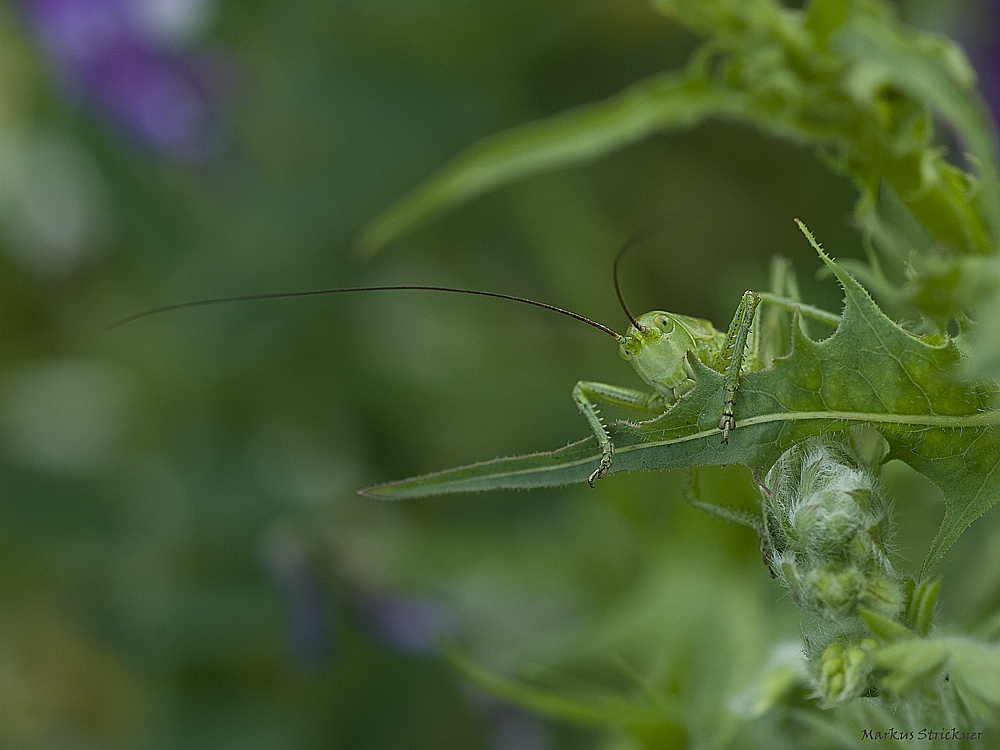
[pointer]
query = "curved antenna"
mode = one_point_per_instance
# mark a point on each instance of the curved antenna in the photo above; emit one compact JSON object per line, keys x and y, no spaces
{"x":631,"y":242}
{"x":275,"y":295}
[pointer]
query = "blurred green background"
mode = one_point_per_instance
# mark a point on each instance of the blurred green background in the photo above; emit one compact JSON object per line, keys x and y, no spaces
{"x":184,"y":560}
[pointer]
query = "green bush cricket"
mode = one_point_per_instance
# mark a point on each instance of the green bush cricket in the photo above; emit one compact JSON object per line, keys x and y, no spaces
{"x":658,"y":344}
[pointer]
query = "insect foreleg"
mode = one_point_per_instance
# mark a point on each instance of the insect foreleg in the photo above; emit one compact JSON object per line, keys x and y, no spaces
{"x":587,"y":394}
{"x":735,"y":351}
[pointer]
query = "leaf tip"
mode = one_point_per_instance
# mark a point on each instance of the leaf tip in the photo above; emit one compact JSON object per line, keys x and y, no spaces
{"x":812,"y":241}
{"x":382,"y":491}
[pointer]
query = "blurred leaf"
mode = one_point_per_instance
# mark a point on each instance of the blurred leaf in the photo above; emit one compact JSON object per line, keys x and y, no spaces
{"x":662,"y":102}
{"x":604,"y":708}
{"x":864,"y":99}
{"x":911,"y":663}
{"x":918,"y":612}
{"x":972,"y":667}
{"x":884,"y":627}
{"x":975,"y":670}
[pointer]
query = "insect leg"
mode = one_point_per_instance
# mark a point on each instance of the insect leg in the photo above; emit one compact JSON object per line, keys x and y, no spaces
{"x":784,"y":299}
{"x":587,"y":394}
{"x":775,"y":323}
{"x":729,"y":514}
{"x":690,"y":487}
{"x":735,"y":349}
{"x":774,"y":333}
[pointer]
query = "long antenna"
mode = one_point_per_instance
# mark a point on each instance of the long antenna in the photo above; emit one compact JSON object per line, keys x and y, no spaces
{"x":631,"y":242}
{"x":275,"y":295}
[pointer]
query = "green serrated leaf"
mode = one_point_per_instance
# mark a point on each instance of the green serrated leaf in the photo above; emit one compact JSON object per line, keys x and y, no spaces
{"x":870,"y":371}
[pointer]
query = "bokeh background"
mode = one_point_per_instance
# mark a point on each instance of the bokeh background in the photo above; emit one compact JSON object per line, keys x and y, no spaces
{"x":184,"y":560}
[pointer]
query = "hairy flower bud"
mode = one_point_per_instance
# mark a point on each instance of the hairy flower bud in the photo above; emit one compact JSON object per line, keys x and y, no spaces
{"x":825,"y":530}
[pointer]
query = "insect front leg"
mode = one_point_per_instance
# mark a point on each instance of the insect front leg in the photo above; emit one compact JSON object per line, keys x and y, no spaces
{"x":587,"y":395}
{"x":735,"y":353}
{"x":755,"y":340}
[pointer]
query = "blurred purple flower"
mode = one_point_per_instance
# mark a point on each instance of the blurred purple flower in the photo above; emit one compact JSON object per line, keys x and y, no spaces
{"x":309,"y":621}
{"x":409,"y":624}
{"x":513,"y":728}
{"x":989,"y":71}
{"x":125,"y":58}
{"x":978,"y":31}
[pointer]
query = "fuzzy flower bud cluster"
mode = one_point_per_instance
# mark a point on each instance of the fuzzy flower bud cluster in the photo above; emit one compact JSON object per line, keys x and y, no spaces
{"x":825,"y":531}
{"x":844,"y":670}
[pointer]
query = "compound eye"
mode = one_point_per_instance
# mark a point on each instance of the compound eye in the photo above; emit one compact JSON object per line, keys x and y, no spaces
{"x":664,"y":323}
